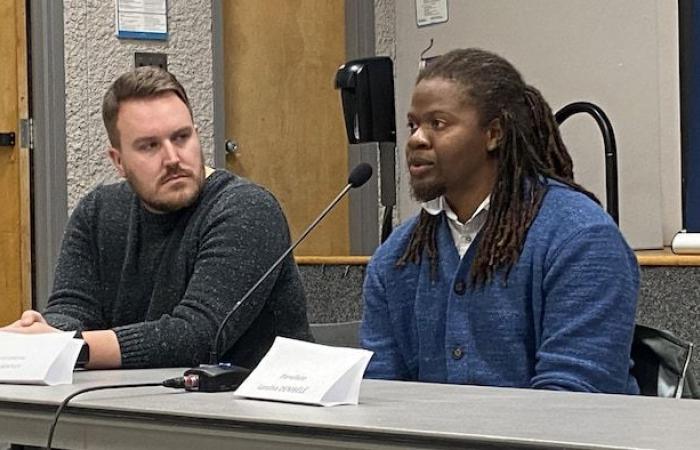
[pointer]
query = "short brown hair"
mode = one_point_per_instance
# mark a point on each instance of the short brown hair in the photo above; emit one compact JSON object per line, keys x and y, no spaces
{"x":142,"y":82}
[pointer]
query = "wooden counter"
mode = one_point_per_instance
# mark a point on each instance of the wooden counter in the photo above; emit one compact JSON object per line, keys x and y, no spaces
{"x":663,"y":257}
{"x":332,"y":260}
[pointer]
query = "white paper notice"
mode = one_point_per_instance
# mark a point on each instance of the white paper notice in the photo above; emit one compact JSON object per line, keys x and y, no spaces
{"x":429,"y":12}
{"x":302,"y":372}
{"x":46,"y":359}
{"x":141,"y":19}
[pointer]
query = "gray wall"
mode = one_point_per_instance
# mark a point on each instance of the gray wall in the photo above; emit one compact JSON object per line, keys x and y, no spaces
{"x":385,"y":27}
{"x":621,"y":55}
{"x":94,"y":57}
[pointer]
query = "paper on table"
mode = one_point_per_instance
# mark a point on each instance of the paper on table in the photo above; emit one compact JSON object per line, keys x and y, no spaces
{"x":302,"y":372}
{"x":46,"y":358}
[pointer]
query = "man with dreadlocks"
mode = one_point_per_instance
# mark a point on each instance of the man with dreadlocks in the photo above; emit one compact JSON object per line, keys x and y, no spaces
{"x":512,"y":274}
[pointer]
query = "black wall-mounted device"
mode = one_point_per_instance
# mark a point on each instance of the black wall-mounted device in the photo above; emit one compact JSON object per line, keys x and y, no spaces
{"x":367,"y":93}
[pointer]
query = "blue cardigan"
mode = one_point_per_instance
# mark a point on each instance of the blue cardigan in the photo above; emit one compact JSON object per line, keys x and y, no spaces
{"x":563,"y":321}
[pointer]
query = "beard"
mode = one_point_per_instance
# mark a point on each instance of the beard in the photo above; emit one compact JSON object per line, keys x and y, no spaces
{"x":172,"y":198}
{"x":174,"y":201}
{"x":426,"y":190}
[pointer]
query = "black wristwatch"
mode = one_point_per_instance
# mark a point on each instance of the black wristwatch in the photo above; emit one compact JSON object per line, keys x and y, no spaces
{"x":84,"y":355}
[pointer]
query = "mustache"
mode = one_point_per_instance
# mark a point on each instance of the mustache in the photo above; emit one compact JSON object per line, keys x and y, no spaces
{"x":174,"y":173}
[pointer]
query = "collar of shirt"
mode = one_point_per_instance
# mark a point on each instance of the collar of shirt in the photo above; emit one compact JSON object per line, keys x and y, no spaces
{"x":463,"y":234}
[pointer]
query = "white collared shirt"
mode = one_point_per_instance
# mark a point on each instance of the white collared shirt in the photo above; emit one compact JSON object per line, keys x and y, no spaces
{"x":463,"y":234}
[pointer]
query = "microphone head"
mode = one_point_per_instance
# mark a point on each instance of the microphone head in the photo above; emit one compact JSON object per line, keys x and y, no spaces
{"x":360,"y":174}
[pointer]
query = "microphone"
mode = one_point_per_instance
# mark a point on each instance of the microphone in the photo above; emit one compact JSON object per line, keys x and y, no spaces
{"x":359,"y":176}
{"x":218,"y":377}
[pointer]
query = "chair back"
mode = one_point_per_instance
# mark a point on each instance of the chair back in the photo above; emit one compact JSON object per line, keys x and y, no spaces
{"x":339,"y":334}
{"x":661,"y":362}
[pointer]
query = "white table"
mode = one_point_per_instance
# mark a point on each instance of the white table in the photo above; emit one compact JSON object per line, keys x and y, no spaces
{"x":390,"y":415}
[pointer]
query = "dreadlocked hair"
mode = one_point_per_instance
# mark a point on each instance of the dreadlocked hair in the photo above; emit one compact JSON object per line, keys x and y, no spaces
{"x":530,"y":151}
{"x":422,"y":237}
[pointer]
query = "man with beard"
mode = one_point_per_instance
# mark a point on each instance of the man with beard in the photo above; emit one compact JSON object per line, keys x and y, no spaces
{"x":149,"y":267}
{"x":512,"y":274}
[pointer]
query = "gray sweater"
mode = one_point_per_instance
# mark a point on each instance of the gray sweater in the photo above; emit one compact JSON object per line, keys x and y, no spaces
{"x":164,"y":282}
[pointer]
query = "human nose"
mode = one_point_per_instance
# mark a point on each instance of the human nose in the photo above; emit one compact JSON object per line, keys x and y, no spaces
{"x":417,"y":140}
{"x":170,"y":154}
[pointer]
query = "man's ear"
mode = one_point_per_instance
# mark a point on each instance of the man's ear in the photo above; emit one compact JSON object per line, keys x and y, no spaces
{"x":494,"y":135}
{"x":116,"y":157}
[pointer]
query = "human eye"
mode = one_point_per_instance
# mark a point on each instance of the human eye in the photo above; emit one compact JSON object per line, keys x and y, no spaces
{"x":412,"y":127}
{"x":181,"y":136}
{"x":437,"y":124}
{"x":147,"y":146}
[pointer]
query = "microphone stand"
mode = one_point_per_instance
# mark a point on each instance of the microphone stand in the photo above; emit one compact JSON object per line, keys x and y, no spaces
{"x":214,"y":353}
{"x":217,"y":376}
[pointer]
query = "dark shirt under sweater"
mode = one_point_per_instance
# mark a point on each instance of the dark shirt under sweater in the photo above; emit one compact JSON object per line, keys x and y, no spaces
{"x":164,"y":282}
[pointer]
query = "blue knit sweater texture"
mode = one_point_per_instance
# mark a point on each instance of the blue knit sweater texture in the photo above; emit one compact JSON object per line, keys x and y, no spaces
{"x":562,"y":320}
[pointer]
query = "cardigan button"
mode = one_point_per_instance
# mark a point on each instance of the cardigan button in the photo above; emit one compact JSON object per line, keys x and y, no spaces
{"x":460,"y":287}
{"x":457,"y":353}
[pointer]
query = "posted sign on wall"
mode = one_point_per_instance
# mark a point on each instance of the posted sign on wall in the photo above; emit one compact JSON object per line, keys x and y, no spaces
{"x":141,"y":19}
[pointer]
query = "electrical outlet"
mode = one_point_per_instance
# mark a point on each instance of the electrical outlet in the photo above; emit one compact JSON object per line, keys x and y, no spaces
{"x":151,"y":59}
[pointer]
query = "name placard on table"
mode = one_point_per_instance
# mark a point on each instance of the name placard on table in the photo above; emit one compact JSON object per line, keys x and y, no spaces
{"x":46,"y":359}
{"x":303,"y":372}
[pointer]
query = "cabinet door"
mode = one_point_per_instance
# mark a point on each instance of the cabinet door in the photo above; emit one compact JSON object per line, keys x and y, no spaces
{"x":283,"y":111}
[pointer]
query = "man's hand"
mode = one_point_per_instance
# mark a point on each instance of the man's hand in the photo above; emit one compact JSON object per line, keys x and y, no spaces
{"x":104,"y":346}
{"x":31,"y":322}
{"x":29,"y":318}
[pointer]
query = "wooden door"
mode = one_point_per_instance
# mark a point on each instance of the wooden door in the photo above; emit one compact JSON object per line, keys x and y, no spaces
{"x":282,"y":109}
{"x":15,"y":267}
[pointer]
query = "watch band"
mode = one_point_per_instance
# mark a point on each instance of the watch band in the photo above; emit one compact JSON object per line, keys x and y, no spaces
{"x":84,"y":355}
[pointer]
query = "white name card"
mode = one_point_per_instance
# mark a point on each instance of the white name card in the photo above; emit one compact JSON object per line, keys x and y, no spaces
{"x":46,"y":358}
{"x":302,"y":372}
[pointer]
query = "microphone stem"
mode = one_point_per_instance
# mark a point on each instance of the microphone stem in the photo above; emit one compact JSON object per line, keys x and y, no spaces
{"x":315,"y":222}
{"x":214,"y":354}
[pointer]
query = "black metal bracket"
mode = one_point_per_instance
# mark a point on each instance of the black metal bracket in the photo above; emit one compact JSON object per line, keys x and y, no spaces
{"x":610,"y":149}
{"x":7,"y":139}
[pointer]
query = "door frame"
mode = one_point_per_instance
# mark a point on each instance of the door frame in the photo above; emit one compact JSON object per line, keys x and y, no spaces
{"x":17,"y":165}
{"x":48,"y":113}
